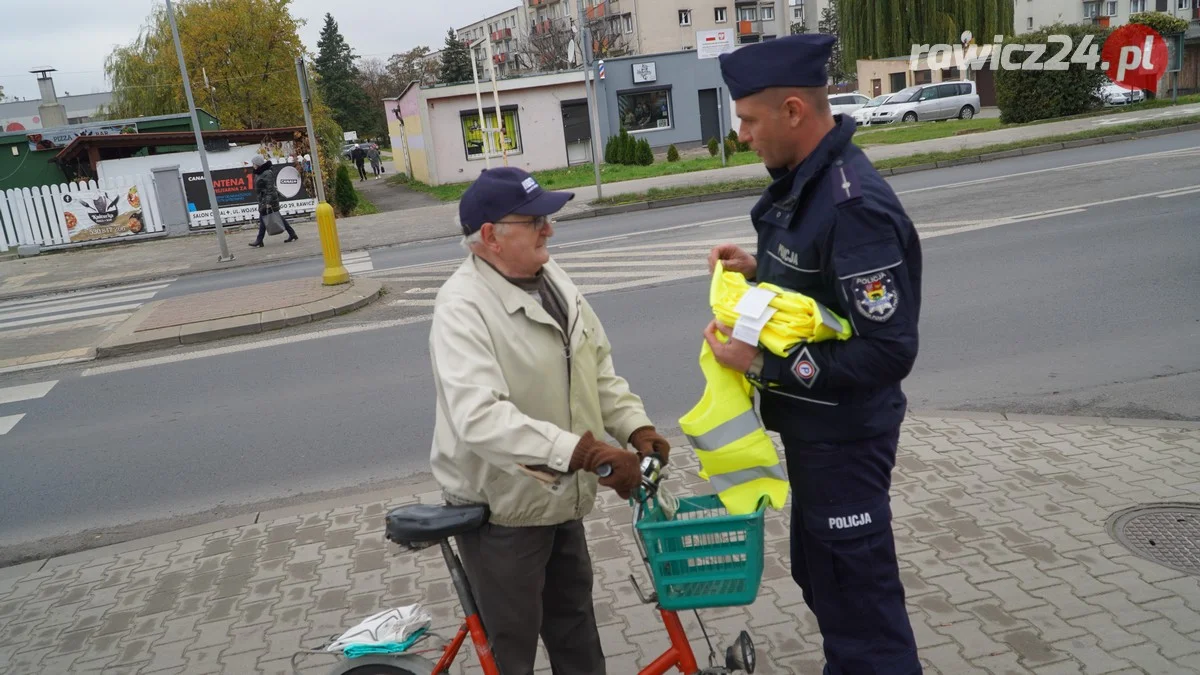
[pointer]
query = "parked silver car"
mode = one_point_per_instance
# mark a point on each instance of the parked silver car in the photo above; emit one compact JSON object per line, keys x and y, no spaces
{"x":937,"y":101}
{"x":862,"y":116}
{"x":846,"y":104}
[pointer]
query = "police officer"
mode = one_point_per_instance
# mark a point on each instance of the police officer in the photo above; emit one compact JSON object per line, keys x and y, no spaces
{"x":830,"y":227}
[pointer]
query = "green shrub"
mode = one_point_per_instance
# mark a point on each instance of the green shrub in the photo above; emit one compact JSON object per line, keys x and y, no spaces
{"x":730,"y":148}
{"x":1162,"y":22}
{"x":713,"y":147}
{"x":672,"y":153}
{"x":345,"y":195}
{"x":645,"y":155}
{"x":1031,"y":95}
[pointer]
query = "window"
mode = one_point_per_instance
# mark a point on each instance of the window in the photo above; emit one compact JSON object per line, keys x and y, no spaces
{"x":768,"y":13}
{"x":748,"y":14}
{"x":685,"y":17}
{"x":473,"y":138}
{"x":719,"y":15}
{"x":1185,"y":4}
{"x":645,"y":110}
{"x":1091,"y":10}
{"x":798,"y":13}
{"x":1029,"y":23}
{"x":628,"y":23}
{"x":1110,"y":8}
{"x":1137,"y":6}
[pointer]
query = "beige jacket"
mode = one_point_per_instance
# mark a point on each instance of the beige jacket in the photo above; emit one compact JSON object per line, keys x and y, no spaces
{"x":505,"y":397}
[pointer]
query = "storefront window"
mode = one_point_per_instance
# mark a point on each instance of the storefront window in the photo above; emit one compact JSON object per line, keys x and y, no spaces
{"x":645,"y":110}
{"x":473,"y":137}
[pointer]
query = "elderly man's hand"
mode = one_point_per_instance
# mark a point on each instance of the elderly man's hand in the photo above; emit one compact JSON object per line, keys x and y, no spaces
{"x":733,"y":354}
{"x":647,"y":441}
{"x":626,"y":471}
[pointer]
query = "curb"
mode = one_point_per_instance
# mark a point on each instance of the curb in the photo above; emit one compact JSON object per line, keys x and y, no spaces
{"x":126,"y":339}
{"x":898,"y":171}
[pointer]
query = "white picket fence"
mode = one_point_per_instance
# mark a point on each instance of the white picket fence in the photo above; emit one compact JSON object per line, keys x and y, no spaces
{"x":34,"y":215}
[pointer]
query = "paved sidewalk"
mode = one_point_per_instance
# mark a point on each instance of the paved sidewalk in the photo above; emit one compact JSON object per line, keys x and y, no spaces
{"x":108,"y":265}
{"x":1000,"y":524}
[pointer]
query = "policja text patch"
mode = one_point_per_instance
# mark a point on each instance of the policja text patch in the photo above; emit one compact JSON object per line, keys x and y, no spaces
{"x":875,"y":295}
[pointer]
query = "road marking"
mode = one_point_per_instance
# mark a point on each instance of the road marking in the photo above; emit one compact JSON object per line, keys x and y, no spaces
{"x":250,"y":346}
{"x":357,"y":262}
{"x":7,"y":423}
{"x":26,"y":392}
{"x":1189,"y":191}
{"x":420,"y":302}
{"x":100,"y":302}
{"x":1083,"y":165}
{"x":72,"y":296}
{"x":70,"y":315}
{"x":575,"y":264}
{"x":672,"y":228}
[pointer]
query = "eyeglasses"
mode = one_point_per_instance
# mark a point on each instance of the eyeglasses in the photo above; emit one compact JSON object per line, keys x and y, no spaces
{"x":537,"y":223}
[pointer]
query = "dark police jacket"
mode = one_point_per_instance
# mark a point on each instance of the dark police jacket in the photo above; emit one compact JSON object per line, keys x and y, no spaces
{"x":834,"y":230}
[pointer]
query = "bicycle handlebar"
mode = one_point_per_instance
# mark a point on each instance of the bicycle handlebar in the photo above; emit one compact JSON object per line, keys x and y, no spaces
{"x":651,"y":471}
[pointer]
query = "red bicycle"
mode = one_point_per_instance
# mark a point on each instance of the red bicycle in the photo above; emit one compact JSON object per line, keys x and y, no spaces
{"x":696,"y":556}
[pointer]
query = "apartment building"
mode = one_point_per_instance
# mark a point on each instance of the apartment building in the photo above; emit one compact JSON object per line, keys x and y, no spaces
{"x":1031,"y":15}
{"x":505,"y":31}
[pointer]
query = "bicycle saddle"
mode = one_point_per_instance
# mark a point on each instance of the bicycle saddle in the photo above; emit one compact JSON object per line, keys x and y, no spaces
{"x":423,"y":523}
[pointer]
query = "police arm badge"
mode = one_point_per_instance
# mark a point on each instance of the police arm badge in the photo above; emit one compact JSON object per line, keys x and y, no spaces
{"x":875,"y":295}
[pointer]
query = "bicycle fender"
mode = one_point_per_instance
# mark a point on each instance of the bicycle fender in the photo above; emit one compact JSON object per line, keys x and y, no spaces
{"x":405,"y":664}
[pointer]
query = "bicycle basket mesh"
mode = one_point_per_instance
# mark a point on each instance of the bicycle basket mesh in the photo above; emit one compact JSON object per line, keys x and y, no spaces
{"x":704,"y":557}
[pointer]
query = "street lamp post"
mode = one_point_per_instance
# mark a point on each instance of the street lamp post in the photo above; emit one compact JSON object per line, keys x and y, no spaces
{"x":225,"y":256}
{"x":335,"y":273}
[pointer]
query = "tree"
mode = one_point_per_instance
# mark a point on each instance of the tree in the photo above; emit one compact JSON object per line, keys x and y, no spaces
{"x":247,"y":48}
{"x":547,"y":47}
{"x":799,"y":28}
{"x":456,"y":60}
{"x":338,"y":79}
{"x":377,"y":84}
{"x":830,"y":24}
{"x":412,"y":65}
{"x":870,"y":29}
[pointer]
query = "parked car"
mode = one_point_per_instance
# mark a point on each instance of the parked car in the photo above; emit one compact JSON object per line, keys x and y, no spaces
{"x":846,"y":104}
{"x":862,"y":116}
{"x":1114,"y":94}
{"x":937,"y":101}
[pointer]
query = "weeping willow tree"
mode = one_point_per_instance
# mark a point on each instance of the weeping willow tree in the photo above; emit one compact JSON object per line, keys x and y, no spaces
{"x":871,"y":29}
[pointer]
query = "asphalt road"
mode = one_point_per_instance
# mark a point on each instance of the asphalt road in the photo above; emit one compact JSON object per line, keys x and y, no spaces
{"x":1064,"y":291}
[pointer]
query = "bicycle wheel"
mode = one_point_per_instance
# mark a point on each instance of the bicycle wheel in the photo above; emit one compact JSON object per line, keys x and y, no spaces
{"x":384,"y":665}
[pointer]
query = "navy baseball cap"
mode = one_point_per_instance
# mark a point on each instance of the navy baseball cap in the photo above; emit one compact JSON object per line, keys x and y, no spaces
{"x":503,"y":191}
{"x":793,"y":61}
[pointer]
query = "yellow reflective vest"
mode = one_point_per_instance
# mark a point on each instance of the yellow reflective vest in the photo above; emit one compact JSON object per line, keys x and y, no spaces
{"x":736,"y":456}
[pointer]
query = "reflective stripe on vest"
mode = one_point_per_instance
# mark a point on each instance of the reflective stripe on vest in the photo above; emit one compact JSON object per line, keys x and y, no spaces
{"x":725,"y":481}
{"x":738,"y":427}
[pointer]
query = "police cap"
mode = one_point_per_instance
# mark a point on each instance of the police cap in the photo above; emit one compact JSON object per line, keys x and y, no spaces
{"x":792,"y":61}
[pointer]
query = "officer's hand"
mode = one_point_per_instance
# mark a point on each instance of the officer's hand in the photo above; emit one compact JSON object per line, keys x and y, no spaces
{"x":647,"y":441}
{"x":734,"y":259}
{"x":733,"y":354}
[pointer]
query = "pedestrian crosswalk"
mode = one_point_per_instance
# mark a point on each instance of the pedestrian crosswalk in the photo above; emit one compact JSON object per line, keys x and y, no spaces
{"x":77,"y":309}
{"x":357,"y":262}
{"x":11,"y":396}
{"x":617,"y":267}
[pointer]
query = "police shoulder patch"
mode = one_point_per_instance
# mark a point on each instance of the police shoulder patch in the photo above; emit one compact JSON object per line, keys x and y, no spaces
{"x":804,"y":367}
{"x":875,"y":295}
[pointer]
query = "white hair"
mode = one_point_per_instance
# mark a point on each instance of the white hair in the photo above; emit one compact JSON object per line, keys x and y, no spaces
{"x":470,"y":241}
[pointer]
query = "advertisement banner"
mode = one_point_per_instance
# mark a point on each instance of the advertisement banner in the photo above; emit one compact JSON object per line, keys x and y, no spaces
{"x":236,"y":197}
{"x":56,"y":139}
{"x":102,"y":214}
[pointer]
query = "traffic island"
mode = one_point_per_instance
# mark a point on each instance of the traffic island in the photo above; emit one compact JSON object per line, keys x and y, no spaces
{"x":245,"y":310}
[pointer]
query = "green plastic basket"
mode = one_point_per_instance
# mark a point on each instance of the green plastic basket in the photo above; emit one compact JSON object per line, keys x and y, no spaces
{"x":703,"y":557}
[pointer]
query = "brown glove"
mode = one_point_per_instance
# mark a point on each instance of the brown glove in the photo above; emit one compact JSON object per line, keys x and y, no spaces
{"x":648,"y":441}
{"x":626,"y":474}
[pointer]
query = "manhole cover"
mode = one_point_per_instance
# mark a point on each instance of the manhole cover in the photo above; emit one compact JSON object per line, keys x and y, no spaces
{"x":1168,"y":534}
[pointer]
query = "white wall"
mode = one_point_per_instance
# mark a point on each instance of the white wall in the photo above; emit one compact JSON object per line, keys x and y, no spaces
{"x":187,"y":161}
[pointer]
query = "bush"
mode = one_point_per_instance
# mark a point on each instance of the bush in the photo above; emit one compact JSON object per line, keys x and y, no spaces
{"x":1030,"y":95}
{"x":730,"y":148}
{"x":672,"y":153}
{"x":345,"y":197}
{"x":1162,"y":22}
{"x":645,"y":155}
{"x":713,"y":147}
{"x":629,"y":154}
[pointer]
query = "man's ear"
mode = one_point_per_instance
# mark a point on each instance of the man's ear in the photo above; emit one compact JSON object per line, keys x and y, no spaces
{"x":487,"y":234}
{"x":797,"y":109}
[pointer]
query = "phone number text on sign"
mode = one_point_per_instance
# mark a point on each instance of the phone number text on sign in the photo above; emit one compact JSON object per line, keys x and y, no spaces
{"x":1134,"y":55}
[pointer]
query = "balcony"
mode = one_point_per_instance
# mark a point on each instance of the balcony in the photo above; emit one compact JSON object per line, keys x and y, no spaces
{"x":750,"y":28}
{"x":502,"y":34}
{"x":537,"y":3}
{"x":500,"y":58}
{"x":597,"y":12}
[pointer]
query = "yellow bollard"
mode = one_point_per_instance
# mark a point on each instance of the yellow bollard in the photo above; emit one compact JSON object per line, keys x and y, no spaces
{"x":335,"y":272}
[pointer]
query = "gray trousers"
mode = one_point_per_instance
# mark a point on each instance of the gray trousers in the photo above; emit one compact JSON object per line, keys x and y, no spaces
{"x":531,"y":581}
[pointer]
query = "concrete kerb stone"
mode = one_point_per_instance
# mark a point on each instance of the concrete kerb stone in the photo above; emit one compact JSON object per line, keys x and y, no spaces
{"x":127,"y":340}
{"x":1083,"y":142}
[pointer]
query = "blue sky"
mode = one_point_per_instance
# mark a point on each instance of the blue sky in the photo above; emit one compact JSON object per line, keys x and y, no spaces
{"x":55,"y":33}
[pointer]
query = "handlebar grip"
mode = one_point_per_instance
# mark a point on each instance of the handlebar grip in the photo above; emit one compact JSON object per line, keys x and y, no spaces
{"x":604,"y":470}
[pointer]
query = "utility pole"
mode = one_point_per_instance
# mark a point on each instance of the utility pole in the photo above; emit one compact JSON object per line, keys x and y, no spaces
{"x":496,"y":97}
{"x":782,"y":20}
{"x":483,"y":127}
{"x":335,"y":273}
{"x":585,"y":52}
{"x":224,"y":256}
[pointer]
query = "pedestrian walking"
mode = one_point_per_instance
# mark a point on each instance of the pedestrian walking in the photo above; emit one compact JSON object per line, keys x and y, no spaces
{"x":526,"y":390}
{"x":831,"y":228}
{"x":359,"y":156}
{"x":268,"y":199}
{"x":376,"y":163}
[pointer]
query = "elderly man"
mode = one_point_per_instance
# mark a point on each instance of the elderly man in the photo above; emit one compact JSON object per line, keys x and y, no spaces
{"x":830,"y":227}
{"x":525,"y":387}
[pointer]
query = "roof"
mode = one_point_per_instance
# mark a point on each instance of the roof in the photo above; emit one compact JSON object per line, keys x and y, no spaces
{"x":153,"y":139}
{"x":10,"y":135}
{"x":80,"y":103}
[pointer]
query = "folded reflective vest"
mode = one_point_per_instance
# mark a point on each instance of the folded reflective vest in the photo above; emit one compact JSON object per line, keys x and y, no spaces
{"x":736,"y":456}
